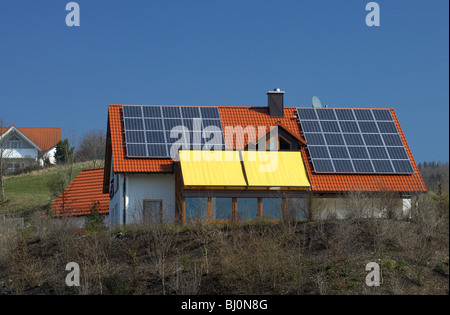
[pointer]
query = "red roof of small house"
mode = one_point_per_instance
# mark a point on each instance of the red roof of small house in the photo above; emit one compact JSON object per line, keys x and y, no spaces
{"x":44,"y":138}
{"x":259,"y":116}
{"x":82,"y":194}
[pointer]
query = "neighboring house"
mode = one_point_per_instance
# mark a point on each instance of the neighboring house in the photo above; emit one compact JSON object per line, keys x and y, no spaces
{"x":24,"y":146}
{"x":323,"y":156}
{"x":82,"y":196}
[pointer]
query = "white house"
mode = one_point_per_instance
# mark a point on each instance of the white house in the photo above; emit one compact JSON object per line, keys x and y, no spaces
{"x":23,"y":146}
{"x":323,"y":155}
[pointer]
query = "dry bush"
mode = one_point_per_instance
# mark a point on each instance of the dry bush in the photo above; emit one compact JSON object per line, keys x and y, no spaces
{"x":254,"y":261}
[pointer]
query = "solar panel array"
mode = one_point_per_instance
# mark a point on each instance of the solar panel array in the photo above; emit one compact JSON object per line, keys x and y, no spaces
{"x":353,"y":141}
{"x":150,"y":131}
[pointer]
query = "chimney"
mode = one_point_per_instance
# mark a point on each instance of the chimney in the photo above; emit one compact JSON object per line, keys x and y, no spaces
{"x":276,"y":103}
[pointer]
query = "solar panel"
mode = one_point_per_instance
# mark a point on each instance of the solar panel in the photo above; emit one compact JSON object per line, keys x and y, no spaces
{"x":343,"y":166}
{"x":323,"y":166}
{"x":150,"y":131}
{"x":210,"y":112}
{"x":353,"y":141}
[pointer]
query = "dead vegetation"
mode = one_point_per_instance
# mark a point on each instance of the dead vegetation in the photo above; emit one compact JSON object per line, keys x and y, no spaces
{"x":326,"y":256}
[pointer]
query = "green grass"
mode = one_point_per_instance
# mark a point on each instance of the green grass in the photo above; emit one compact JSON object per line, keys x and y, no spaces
{"x":31,"y":192}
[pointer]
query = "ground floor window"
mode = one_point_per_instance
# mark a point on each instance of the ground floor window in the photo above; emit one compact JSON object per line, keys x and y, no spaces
{"x":213,"y":209}
{"x":247,"y":209}
{"x":221,"y":208}
{"x":196,"y":209}
{"x":153,"y":211}
{"x":272,"y":208}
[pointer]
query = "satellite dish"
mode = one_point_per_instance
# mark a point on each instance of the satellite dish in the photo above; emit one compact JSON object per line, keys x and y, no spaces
{"x":316,"y":102}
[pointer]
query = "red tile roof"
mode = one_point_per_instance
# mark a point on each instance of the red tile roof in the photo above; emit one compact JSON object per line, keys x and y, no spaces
{"x":81,"y":195}
{"x":43,"y":138}
{"x":259,"y":116}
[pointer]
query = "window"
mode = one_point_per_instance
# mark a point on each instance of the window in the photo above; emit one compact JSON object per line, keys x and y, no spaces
{"x":284,"y":144}
{"x":153,"y":212}
{"x":196,"y":209}
{"x":272,"y":208}
{"x":278,"y":144}
{"x":14,"y":143}
{"x":247,"y":209}
{"x":221,"y":208}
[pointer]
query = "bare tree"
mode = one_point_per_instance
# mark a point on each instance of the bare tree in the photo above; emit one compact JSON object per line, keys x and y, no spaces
{"x":92,"y":147}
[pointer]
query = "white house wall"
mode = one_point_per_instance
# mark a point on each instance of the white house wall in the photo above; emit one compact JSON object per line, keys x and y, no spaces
{"x":50,"y":154}
{"x":342,"y":207}
{"x":142,"y":187}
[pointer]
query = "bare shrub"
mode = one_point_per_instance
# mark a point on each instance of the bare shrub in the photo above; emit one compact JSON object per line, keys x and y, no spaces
{"x":160,"y":239}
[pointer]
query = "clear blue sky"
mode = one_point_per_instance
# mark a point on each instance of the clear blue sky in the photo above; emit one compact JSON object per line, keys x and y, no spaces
{"x":232,"y":52}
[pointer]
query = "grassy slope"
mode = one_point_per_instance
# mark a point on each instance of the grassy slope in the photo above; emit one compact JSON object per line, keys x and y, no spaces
{"x":30,"y":192}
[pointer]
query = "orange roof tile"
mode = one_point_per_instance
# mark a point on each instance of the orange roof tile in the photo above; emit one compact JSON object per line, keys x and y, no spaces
{"x":81,"y":194}
{"x":259,"y":116}
{"x":44,"y":138}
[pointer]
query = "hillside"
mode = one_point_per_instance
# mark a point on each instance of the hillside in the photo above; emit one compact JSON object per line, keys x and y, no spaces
{"x":262,"y":258}
{"x":36,"y":190}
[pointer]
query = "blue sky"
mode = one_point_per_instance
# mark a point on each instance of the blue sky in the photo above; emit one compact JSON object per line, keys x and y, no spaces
{"x":215,"y":52}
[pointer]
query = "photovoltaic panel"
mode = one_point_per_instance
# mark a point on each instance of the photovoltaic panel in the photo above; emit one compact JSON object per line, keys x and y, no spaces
{"x":378,"y":153}
{"x":387,"y":127}
{"x":152,"y":111}
{"x":402,"y":166}
{"x":363,"y":114}
{"x":210,"y":112}
{"x":349,"y":126}
{"x":382,"y":114}
{"x":338,"y":152}
{"x":353,"y":141}
{"x":392,"y":140}
{"x":316,"y":138}
{"x":344,"y":114}
{"x":190,"y":112}
{"x":334,"y":139}
{"x":368,"y":126}
{"x":383,"y":166}
{"x":372,"y":139}
{"x":153,"y":124}
{"x":329,"y":126}
{"x":171,"y":111}
{"x":319,"y":152}
{"x":323,"y":166}
{"x":397,"y":153}
{"x":132,"y":111}
{"x":325,"y":114}
{"x":307,"y":113}
{"x":343,"y":166}
{"x":363,"y":166}
{"x":358,"y":152}
{"x":151,"y":131}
